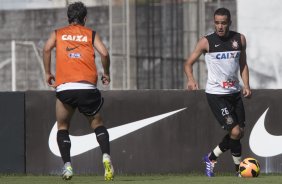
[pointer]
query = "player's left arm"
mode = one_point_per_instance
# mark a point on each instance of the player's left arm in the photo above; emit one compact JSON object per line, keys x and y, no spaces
{"x":244,"y":70}
{"x":105,"y":58}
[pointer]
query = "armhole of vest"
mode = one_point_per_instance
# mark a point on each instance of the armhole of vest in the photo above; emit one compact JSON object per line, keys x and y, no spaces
{"x":240,"y":41}
{"x":56,"y":31}
{"x":93,"y":37}
{"x":207,"y":37}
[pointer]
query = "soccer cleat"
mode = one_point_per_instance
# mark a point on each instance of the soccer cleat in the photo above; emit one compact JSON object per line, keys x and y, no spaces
{"x":67,"y":171}
{"x":238,"y":174}
{"x":209,"y":166}
{"x":109,"y":170}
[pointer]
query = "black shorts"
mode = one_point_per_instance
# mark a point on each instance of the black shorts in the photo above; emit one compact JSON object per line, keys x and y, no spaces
{"x":88,"y":101}
{"x":228,"y":109}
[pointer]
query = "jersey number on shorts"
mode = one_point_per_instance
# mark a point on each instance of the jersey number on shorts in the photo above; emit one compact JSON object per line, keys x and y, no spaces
{"x":224,"y":111}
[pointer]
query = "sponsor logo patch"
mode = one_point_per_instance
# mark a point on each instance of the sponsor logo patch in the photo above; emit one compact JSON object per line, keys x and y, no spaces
{"x":74,"y":55}
{"x":77,"y":38}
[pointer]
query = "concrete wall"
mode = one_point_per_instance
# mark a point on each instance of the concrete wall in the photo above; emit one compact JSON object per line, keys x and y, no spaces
{"x":36,"y":26}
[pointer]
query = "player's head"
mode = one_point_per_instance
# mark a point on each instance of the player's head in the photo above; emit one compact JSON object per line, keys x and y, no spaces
{"x":222,"y":21}
{"x":77,"y":13}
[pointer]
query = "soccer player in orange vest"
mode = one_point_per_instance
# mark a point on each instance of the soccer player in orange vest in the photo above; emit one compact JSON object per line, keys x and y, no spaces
{"x":76,"y":82}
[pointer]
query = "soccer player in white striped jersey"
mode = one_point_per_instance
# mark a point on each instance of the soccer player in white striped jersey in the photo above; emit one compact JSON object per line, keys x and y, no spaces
{"x":225,"y":57}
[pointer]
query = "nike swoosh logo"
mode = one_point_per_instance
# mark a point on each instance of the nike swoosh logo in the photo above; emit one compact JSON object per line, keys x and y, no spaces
{"x":216,"y":45}
{"x":84,"y":143}
{"x":263,"y":143}
{"x":71,"y":48}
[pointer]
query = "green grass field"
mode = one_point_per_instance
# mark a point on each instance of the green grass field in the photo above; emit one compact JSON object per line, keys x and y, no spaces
{"x":146,"y":179}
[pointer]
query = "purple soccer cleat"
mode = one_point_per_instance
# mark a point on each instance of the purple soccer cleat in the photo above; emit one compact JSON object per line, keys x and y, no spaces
{"x":209,"y":166}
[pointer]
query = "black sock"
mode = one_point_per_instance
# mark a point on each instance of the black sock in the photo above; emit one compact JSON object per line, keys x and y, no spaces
{"x":102,"y":136}
{"x":212,"y":156}
{"x":235,"y":147}
{"x":64,"y":144}
{"x":237,"y":167}
{"x":236,"y":151}
{"x":224,"y":145}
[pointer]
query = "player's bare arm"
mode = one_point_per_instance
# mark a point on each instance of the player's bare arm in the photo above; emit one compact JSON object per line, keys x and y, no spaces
{"x":50,"y":44}
{"x":201,"y":47}
{"x":105,"y":58}
{"x":244,"y":70}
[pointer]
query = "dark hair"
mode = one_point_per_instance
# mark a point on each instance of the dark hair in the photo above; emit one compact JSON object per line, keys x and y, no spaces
{"x":223,"y":11}
{"x":77,"y":12}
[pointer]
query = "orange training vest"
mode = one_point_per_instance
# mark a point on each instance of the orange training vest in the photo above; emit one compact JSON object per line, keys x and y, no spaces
{"x":75,"y":55}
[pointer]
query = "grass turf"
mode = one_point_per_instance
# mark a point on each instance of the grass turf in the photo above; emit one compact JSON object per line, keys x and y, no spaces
{"x":144,"y":179}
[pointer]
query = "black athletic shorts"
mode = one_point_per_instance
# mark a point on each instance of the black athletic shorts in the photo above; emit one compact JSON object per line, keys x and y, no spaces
{"x":228,"y":109}
{"x":88,"y":101}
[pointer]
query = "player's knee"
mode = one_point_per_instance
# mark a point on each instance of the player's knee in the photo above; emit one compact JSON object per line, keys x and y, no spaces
{"x":236,"y":133}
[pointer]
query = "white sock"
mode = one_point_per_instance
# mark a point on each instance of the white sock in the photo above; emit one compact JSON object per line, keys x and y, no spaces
{"x":67,"y":164}
{"x":237,"y":160}
{"x":217,"y":151}
{"x":106,"y":156}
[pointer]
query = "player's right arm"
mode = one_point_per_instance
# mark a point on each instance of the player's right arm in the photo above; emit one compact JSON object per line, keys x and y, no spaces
{"x":49,"y":45}
{"x":105,"y":58}
{"x":244,"y":70}
{"x":201,"y":47}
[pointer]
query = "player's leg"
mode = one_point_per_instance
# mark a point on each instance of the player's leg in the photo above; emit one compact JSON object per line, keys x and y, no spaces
{"x":227,"y":123}
{"x":235,"y":146}
{"x":223,"y":111}
{"x":219,"y":108}
{"x":210,"y":159}
{"x":101,"y":132}
{"x":64,"y":113}
{"x":90,"y":103}
{"x":102,"y":137}
{"x":237,"y":131}
{"x":222,"y":147}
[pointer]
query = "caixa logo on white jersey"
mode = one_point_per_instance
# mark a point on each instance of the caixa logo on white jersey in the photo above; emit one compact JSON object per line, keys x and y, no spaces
{"x":77,"y":38}
{"x":228,"y":55}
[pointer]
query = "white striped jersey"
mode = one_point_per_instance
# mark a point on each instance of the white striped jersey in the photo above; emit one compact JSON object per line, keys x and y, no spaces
{"x":222,"y":61}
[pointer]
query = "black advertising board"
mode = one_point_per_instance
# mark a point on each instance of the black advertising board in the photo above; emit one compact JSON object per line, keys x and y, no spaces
{"x":152,"y":131}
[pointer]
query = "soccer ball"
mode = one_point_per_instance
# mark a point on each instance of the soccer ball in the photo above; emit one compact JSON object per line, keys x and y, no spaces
{"x":249,"y":167}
